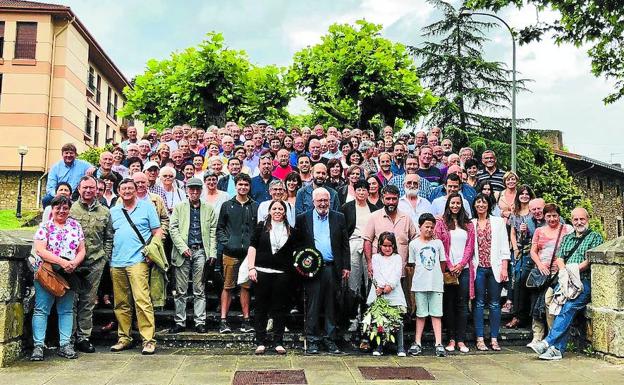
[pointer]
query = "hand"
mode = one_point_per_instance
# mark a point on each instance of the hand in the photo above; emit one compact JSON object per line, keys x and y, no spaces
{"x":457,"y":269}
{"x":346,"y":273}
{"x":523,"y":227}
{"x":503,"y":275}
{"x":187,"y":253}
{"x":90,"y":171}
{"x":370,"y":270}
{"x":387,"y":289}
{"x":543,"y":269}
{"x":378,"y":291}
{"x":560,"y":263}
{"x":211,"y":261}
{"x":253,"y":275}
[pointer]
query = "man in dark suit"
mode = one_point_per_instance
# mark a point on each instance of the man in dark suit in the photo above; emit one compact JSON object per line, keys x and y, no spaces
{"x":326,"y":231}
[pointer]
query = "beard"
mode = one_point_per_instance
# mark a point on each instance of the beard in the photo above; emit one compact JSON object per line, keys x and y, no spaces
{"x":411,"y":193}
{"x":390,"y":209}
{"x":581,"y":229}
{"x":319,"y":182}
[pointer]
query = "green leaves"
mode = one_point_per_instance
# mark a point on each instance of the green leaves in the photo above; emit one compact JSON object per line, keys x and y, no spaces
{"x":207,"y":85}
{"x":354,"y":75}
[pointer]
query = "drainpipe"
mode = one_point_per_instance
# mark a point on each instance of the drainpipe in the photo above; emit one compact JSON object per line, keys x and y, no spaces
{"x":48,"y":127}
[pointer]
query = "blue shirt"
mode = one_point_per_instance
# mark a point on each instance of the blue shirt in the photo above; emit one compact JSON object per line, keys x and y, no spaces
{"x":259,"y":191}
{"x":127,"y":247}
{"x":294,"y":158}
{"x":71,"y":174}
{"x":322,"y":241}
{"x":397,"y":169}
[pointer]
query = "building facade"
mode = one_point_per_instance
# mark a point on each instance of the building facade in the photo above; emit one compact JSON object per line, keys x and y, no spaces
{"x":57,"y":86}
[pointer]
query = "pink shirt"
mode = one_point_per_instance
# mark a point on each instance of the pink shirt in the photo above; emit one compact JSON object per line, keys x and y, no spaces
{"x":402,"y":227}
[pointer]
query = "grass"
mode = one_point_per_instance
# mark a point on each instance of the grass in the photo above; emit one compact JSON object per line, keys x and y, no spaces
{"x":8,"y":221}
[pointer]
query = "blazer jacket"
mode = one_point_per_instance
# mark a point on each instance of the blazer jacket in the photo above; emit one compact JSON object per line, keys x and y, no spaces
{"x":338,"y":234}
{"x":348,"y":210}
{"x":500,"y":245}
{"x":179,"y":229}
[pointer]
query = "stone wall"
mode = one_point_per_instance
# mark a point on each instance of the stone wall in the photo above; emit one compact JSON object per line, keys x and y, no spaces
{"x":9,"y":183}
{"x":606,"y":311}
{"x":13,"y":277}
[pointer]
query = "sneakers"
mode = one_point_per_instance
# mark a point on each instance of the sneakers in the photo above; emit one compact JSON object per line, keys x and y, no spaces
{"x":440,"y":351}
{"x":85,"y":346}
{"x":540,"y":347}
{"x":312,"y":348}
{"x":353,"y":326}
{"x":269,"y":327}
{"x":332,"y":347}
{"x":67,"y":351}
{"x":378,"y":351}
{"x":37,"y":354}
{"x":246,"y":326}
{"x":149,"y":348}
{"x":120,"y":346}
{"x":224,"y":327}
{"x":401,"y":353}
{"x":551,"y":354}
{"x":415,"y":349}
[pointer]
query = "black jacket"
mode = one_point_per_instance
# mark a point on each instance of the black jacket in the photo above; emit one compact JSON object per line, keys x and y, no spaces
{"x":348,"y":210}
{"x":222,"y":184}
{"x":236,"y":224}
{"x":338,"y":235}
{"x":282,"y":260}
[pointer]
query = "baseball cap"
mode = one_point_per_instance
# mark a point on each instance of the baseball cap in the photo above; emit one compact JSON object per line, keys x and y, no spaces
{"x":194,"y":182}
{"x":150,"y":164}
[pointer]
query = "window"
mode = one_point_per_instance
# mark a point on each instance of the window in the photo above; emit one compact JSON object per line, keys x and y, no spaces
{"x":589,"y":183}
{"x":91,"y":79}
{"x":88,"y":123}
{"x":108,"y":136}
{"x":26,"y":40}
{"x":600,"y":185}
{"x":1,"y":39}
{"x":109,"y":105}
{"x":96,"y":131}
{"x":98,"y":87}
{"x":115,"y":107}
{"x":619,"y":227}
{"x":618,"y":190}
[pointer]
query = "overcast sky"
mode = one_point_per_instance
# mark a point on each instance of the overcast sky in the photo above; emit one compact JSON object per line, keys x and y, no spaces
{"x":565,"y":96}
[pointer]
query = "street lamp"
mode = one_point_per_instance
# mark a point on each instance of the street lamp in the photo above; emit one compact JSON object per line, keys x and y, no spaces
{"x":468,"y":13}
{"x":22,"y":151}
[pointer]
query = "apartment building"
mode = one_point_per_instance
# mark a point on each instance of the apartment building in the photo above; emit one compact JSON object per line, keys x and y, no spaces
{"x":57,"y":85}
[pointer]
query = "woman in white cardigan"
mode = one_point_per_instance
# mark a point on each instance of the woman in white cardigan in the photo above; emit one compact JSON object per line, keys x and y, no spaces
{"x":491,"y":258}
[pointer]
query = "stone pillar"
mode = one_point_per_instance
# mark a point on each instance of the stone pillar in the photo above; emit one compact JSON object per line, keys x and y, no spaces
{"x":13,"y":278}
{"x":606,"y":310}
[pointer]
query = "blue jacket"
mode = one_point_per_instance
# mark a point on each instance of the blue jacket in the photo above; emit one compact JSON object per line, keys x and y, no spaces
{"x":304,"y":199}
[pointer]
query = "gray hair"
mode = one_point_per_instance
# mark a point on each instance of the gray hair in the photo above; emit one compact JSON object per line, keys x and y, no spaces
{"x":167,"y":169}
{"x":318,"y":191}
{"x":276,"y":182}
{"x":366,"y":145}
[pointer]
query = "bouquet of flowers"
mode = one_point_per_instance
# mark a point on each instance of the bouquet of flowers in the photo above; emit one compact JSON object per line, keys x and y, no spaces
{"x":381,"y":320}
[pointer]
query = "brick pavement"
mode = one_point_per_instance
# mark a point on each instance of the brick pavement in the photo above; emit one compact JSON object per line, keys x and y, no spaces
{"x":189,"y":367}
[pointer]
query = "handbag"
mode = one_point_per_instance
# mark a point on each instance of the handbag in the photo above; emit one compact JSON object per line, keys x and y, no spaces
{"x":50,"y":280}
{"x":537,"y":280}
{"x":450,"y":279}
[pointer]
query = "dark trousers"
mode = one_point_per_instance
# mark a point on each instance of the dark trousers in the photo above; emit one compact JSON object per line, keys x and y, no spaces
{"x":456,"y":307}
{"x":521,"y":294}
{"x":321,"y":296}
{"x":271,"y":298}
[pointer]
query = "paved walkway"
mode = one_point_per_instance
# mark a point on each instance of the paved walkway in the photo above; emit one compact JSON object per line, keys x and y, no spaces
{"x":179,"y":366}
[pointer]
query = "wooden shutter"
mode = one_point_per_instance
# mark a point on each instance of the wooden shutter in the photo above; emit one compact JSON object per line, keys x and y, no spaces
{"x":26,"y":40}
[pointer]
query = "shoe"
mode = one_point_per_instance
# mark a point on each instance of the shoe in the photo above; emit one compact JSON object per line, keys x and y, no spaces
{"x":332,"y":347}
{"x":224,"y":327}
{"x":415,"y":349}
{"x":312,"y":348}
{"x":269,"y":325}
{"x":85,"y":346}
{"x":440,"y":351}
{"x":279,"y":349}
{"x":37,"y":354}
{"x":120,"y":346}
{"x":551,"y":354}
{"x":401,"y":353}
{"x":260,"y":349}
{"x":353,"y":326}
{"x":149,"y":348}
{"x":246,"y":326}
{"x":176,"y":329}
{"x":106,"y":300}
{"x":200,"y":329}
{"x":463,"y":348}
{"x":506,"y":308}
{"x":378,"y":352}
{"x":540,"y":347}
{"x":294,"y":310}
{"x":109,"y":326}
{"x":67,"y":351}
{"x":451,"y":346}
{"x":533,"y":342}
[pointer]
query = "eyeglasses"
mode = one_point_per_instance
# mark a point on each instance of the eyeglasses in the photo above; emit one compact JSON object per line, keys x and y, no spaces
{"x":167,"y":176}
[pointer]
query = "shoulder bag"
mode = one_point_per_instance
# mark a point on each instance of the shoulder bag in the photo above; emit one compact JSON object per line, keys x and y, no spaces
{"x":537,"y":280}
{"x":50,"y":280}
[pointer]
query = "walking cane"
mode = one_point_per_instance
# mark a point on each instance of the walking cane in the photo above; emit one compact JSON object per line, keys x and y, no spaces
{"x":305,"y":335}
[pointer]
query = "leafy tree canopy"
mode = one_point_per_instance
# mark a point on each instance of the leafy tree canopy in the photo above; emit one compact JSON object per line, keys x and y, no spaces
{"x":599,"y":23}
{"x":354,"y":74}
{"x":207,"y":85}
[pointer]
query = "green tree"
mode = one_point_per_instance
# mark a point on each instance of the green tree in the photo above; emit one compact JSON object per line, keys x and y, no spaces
{"x":206,"y":85}
{"x":597,"y":23}
{"x":473,"y":92}
{"x":354,"y":74}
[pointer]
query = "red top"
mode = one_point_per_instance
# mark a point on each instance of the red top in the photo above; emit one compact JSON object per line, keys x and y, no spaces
{"x":484,"y":240}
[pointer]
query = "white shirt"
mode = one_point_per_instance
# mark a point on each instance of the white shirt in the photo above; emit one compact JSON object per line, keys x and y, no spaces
{"x":459,"y":237}
{"x":387,"y":271}
{"x":439,"y":204}
{"x":263,"y":211}
{"x":426,"y":257}
{"x":422,"y":206}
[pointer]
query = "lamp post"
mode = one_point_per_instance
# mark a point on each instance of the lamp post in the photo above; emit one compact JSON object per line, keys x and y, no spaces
{"x":22,"y":151}
{"x":468,"y":13}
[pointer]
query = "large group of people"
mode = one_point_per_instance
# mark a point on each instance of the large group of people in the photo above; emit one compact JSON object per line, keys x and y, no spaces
{"x":408,"y":217}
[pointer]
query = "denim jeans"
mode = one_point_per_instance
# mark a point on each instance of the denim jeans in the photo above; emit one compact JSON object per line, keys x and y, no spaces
{"x":485,"y":284}
{"x":558,"y":335}
{"x":43,"y":305}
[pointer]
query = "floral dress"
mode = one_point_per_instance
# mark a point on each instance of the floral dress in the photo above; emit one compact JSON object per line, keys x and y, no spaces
{"x":62,"y":241}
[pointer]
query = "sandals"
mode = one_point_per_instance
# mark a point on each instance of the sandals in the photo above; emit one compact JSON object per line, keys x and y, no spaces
{"x":513,"y":324}
{"x":495,"y":346}
{"x":451,"y":346}
{"x":261,"y":349}
{"x":481,"y":346}
{"x":507,"y":307}
{"x":279,"y":349}
{"x":463,"y":348}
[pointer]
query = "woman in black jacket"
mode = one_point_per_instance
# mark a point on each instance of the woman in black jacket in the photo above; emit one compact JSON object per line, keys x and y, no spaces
{"x":269,"y":259}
